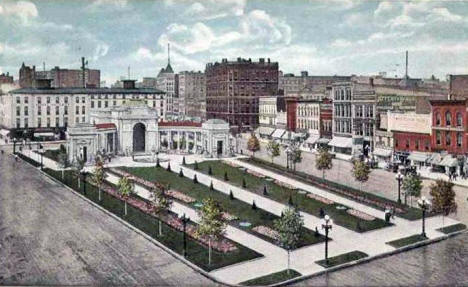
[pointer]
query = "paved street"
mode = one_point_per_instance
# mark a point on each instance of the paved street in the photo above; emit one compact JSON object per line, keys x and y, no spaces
{"x":380,"y":182}
{"x":49,"y":236}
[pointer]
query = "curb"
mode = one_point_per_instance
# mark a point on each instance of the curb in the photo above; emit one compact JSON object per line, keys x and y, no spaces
{"x":138,"y":231}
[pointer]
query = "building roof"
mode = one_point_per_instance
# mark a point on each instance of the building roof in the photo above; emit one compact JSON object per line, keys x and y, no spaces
{"x":179,"y":124}
{"x":105,"y":126}
{"x":215,"y":121}
{"x":86,"y":91}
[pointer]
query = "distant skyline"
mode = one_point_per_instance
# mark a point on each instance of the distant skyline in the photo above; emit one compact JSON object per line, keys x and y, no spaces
{"x":322,"y":37}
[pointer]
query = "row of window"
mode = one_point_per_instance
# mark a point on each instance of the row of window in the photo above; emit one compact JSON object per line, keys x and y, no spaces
{"x":417,"y":144}
{"x":448,"y":138}
{"x":48,"y":122}
{"x":448,"y":119}
{"x":343,"y":94}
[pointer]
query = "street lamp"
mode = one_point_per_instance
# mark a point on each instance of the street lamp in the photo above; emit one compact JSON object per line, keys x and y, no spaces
{"x":184,"y":220}
{"x":41,"y":152}
{"x":399,"y":177}
{"x":327,"y":223}
{"x":424,"y":205}
{"x":288,"y":155}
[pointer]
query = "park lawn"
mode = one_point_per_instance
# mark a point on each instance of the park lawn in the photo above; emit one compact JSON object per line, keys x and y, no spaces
{"x":282,"y":194}
{"x":234,"y":207}
{"x":342,"y":259}
{"x":452,"y":228}
{"x":52,"y":154}
{"x":410,"y":213}
{"x":171,"y":238}
{"x":406,"y":240}
{"x":272,"y":278}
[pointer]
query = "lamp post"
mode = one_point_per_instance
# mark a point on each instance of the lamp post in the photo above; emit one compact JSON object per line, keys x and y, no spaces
{"x":41,"y":152}
{"x":399,"y":178}
{"x":14,"y":145}
{"x":184,"y":220}
{"x":327,"y":223}
{"x":288,"y":155}
{"x":424,"y":205}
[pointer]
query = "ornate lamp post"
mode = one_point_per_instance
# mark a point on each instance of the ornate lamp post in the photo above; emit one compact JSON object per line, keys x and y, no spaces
{"x":41,"y":152}
{"x":184,"y":220}
{"x":424,"y":205}
{"x":399,"y":177}
{"x":327,"y":223}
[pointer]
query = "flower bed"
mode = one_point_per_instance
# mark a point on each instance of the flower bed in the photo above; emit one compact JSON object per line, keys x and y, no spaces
{"x":229,"y":217}
{"x":360,"y":214}
{"x":284,"y":184}
{"x":320,"y":198}
{"x":172,"y":220}
{"x":266,"y":231}
{"x":230,"y":163}
{"x":180,"y":196}
{"x":254,"y":173}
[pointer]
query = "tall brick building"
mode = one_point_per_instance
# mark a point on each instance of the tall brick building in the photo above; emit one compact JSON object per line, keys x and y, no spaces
{"x":233,"y":89}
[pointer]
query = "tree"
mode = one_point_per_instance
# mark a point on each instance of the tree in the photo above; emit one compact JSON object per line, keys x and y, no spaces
{"x":226,"y":178}
{"x":273,"y":149}
{"x":210,"y":171}
{"x":168,"y":166}
{"x":125,"y":188}
{"x":63,"y":162}
{"x":98,"y":176}
{"x":290,"y":229}
{"x":195,"y":179}
{"x":253,"y":144}
{"x":412,"y":185}
{"x":181,"y":173}
{"x":231,"y":195}
{"x":212,"y":223}
{"x":324,"y":161}
{"x":295,"y":154}
{"x":161,"y":201}
{"x":211,"y":186}
{"x":196,"y":165}
{"x":244,"y":184}
{"x":443,"y":197}
{"x":78,"y":166}
{"x":361,"y":172}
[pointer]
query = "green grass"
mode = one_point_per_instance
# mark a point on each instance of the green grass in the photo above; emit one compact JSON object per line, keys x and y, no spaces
{"x":406,"y":240}
{"x":341,"y":259}
{"x":282,"y":194}
{"x":272,"y":278}
{"x":52,"y":154}
{"x":235,"y":207}
{"x":452,"y":228}
{"x":410,"y":213}
{"x":172,"y":238}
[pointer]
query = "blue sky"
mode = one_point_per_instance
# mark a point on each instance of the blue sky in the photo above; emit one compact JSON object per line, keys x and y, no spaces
{"x":323,"y":37}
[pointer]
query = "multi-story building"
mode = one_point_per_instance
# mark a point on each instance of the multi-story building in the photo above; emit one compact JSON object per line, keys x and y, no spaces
{"x":61,"y":78}
{"x":354,"y":106}
{"x":27,"y":110}
{"x":291,"y":84}
{"x":268,"y":110}
{"x":458,"y":86}
{"x":192,"y":95}
{"x":167,"y":81}
{"x":6,"y":79}
{"x":233,"y":90}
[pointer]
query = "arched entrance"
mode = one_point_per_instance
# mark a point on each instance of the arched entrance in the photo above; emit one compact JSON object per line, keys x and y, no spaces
{"x":139,"y":131}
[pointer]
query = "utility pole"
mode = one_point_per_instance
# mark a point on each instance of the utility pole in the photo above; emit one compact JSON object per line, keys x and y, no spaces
{"x":168,"y":53}
{"x":406,"y":69}
{"x":83,"y":70}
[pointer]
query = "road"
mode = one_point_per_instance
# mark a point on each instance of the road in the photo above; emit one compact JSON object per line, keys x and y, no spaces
{"x":49,"y":236}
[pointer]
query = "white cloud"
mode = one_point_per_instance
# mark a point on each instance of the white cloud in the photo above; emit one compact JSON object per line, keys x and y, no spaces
{"x":213,"y":9}
{"x":99,"y":4}
{"x":384,"y":7}
{"x":145,"y":57}
{"x":444,"y":15}
{"x":23,"y":10}
{"x":340,"y":43}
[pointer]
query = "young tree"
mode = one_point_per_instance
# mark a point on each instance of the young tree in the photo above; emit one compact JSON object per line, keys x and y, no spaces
{"x":273,"y":149}
{"x":295,"y":154}
{"x":289,"y":228}
{"x":212,"y":224}
{"x":361,"y":172}
{"x":443,"y":197}
{"x":125,"y":188}
{"x":161,"y":201}
{"x":253,"y":144}
{"x":98,"y":176}
{"x":78,"y":166}
{"x":63,"y":162}
{"x":412,"y":185}
{"x":324,"y":161}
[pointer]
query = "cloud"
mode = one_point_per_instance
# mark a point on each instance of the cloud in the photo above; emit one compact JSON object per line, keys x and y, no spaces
{"x":22,"y":10}
{"x":213,"y":9}
{"x":100,"y":4}
{"x":340,"y":43}
{"x":444,"y":15}
{"x":384,"y":7}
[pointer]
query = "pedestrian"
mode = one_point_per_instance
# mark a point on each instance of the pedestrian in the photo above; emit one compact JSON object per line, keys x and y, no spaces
{"x":16,"y":157}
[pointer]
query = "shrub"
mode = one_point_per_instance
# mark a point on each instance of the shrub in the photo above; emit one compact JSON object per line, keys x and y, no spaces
{"x":226,"y":178}
{"x":244,"y":184}
{"x":211,"y":186}
{"x":181,"y":173}
{"x":290,"y":201}
{"x":254,"y":206}
{"x":195,"y":179}
{"x":196,"y":165}
{"x":265,"y":190}
{"x":168,"y":166}
{"x":210,"y":172}
{"x":157,"y":163}
{"x":231,"y":195}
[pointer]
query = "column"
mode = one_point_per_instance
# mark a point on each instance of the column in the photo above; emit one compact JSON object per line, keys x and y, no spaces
{"x":178,"y":140}
{"x":186,"y":141}
{"x":114,"y":144}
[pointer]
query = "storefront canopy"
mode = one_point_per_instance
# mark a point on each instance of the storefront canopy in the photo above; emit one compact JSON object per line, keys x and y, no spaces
{"x":265,"y":131}
{"x":341,"y":142}
{"x":323,"y":141}
{"x":449,"y":161}
{"x":278,"y":133}
{"x":435,"y":158}
{"x":382,"y":152}
{"x":419,"y":156}
{"x":44,"y":134}
{"x":312,"y":139}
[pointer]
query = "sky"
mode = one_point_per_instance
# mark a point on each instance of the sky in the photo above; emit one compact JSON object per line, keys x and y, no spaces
{"x":330,"y":37}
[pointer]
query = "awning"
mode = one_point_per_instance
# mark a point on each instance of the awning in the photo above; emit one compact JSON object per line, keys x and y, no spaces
{"x":312,"y":139}
{"x":323,"y":141}
{"x":436,"y":158}
{"x":265,"y":131}
{"x":300,"y":135}
{"x":5,"y":133}
{"x":419,"y":156}
{"x":287,"y":134}
{"x":341,"y":142}
{"x":449,"y":161}
{"x":382,"y":152}
{"x":50,"y":134}
{"x":278,"y":133}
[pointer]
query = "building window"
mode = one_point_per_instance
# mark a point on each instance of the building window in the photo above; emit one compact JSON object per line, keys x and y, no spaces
{"x":83,"y":110}
{"x":106,"y":104}
{"x":77,"y":100}
{"x":77,"y":110}
{"x":83,"y":119}
{"x":448,"y":119}
{"x":26,"y":111}
{"x":459,"y":139}
{"x":99,"y":104}
{"x":26,"y":123}
{"x":437,"y":119}
{"x":114,"y":103}
{"x":39,"y":111}
{"x":18,"y":111}
{"x":459,"y":119}
{"x":39,"y":100}
{"x":57,"y":100}
{"x":48,"y":100}
{"x":438,"y":137}
{"x":39,"y":122}
{"x":65,"y":121}
{"x":48,"y":122}
{"x":26,"y":100}
{"x":448,"y":140}
{"x":57,"y":122}
{"x":18,"y":100}
{"x":18,"y":123}
{"x":57,"y":111}
{"x":77,"y":120}
{"x":417,"y":144}
{"x":92,"y":104}
{"x":66,"y":110}
{"x":66,"y":100}
{"x":83,"y":100}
